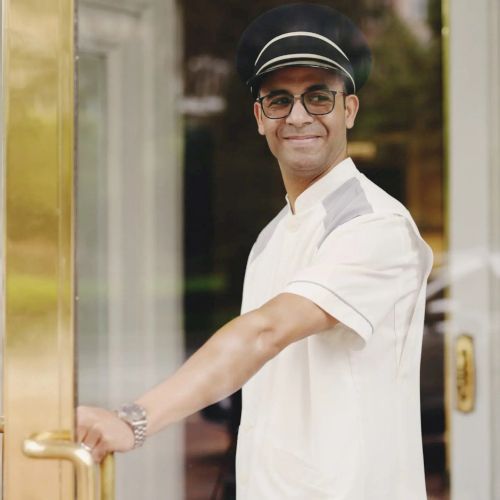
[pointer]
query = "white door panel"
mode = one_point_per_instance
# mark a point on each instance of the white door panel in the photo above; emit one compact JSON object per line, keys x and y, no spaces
{"x":473,"y":86}
{"x":128,"y":223}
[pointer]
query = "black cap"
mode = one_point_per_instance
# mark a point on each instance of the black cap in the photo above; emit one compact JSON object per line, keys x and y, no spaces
{"x":303,"y":35}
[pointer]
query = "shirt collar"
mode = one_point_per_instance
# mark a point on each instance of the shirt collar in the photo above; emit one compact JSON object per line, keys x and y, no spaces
{"x":321,"y":188}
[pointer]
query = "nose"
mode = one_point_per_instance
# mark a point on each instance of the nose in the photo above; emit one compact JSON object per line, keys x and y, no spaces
{"x":298,"y":115}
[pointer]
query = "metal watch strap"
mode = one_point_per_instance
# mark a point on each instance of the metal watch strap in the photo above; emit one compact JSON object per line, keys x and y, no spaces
{"x":135,"y":416}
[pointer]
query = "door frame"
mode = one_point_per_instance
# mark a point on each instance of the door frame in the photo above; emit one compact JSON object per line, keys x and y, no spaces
{"x":472,"y":114}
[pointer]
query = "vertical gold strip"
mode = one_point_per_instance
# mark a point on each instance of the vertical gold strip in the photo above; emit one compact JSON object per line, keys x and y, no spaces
{"x":448,"y":388}
{"x":38,"y":69}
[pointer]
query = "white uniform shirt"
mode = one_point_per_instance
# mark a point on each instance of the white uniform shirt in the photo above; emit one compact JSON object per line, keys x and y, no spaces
{"x":336,"y":416}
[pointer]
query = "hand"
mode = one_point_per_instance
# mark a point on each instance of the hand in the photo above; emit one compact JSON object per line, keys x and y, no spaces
{"x":102,"y":431}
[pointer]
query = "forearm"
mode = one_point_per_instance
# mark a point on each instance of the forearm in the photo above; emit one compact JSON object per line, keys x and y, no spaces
{"x":231,"y":356}
{"x":219,"y":368}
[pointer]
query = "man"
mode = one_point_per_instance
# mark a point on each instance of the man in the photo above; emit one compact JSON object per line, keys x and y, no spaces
{"x":328,"y":343}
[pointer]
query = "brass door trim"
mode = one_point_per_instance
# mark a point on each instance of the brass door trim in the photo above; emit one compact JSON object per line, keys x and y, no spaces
{"x":38,"y":104}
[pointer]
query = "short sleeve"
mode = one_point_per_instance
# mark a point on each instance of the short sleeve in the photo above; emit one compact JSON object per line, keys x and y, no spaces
{"x":361,"y":270}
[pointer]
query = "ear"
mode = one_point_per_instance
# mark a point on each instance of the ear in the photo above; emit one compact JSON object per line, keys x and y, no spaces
{"x":351,"y":110}
{"x":257,"y":111}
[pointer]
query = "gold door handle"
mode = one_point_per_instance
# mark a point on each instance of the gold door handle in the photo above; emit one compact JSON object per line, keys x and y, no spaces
{"x":108,"y":478}
{"x":58,"y":445}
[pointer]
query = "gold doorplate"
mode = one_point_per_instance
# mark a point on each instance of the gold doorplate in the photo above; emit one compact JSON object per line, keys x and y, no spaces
{"x":465,"y":373}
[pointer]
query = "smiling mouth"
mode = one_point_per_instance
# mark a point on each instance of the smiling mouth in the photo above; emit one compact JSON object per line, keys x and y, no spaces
{"x":302,"y":139}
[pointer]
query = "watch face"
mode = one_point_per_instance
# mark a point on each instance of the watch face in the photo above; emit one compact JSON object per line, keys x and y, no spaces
{"x":133,"y":412}
{"x":135,"y":416}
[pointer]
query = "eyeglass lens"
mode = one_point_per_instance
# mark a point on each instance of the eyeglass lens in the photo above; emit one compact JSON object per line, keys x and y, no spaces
{"x":316,"y":102}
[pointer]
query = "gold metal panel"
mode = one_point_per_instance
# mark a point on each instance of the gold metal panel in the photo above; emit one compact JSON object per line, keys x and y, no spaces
{"x":38,"y":72}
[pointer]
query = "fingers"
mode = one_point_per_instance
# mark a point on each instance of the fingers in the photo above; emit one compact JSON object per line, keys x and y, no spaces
{"x":93,"y":436}
{"x":102,"y":432}
{"x":99,"y":451}
{"x":90,"y":434}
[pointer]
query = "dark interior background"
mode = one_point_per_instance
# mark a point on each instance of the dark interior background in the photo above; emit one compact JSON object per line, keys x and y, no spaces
{"x":232,"y":185}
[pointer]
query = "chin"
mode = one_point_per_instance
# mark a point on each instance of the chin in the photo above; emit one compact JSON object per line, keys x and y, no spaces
{"x":306,"y":166}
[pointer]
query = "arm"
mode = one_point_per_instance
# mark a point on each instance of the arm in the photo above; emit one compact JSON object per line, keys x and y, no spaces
{"x":219,"y":368}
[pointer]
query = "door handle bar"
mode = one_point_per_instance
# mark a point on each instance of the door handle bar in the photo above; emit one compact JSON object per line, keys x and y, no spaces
{"x":58,"y":445}
{"x":108,"y":481}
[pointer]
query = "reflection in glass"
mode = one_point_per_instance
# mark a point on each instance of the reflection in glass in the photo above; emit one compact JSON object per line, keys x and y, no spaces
{"x":397,"y":142}
{"x":92,"y":317}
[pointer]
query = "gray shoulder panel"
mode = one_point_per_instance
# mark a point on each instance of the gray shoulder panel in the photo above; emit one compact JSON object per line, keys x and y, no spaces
{"x":345,"y":203}
{"x":266,"y":234}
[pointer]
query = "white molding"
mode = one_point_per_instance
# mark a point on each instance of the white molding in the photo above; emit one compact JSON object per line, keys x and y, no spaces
{"x":101,"y":31}
{"x":140,"y":45}
{"x":134,"y":7}
{"x":472,"y":201}
{"x":494,"y":138}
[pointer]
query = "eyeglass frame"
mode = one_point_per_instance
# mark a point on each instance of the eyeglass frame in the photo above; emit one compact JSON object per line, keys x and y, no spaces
{"x":301,"y":97}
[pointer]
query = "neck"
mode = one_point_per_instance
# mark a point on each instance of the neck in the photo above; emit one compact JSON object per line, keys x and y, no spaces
{"x":296,"y":185}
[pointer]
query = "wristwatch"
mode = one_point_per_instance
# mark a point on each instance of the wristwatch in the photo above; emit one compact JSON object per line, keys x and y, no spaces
{"x":135,"y":416}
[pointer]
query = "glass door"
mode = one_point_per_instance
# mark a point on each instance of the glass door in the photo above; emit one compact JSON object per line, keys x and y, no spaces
{"x":104,"y":242}
{"x":128,"y":223}
{"x":91,"y":237}
{"x":233,"y":188}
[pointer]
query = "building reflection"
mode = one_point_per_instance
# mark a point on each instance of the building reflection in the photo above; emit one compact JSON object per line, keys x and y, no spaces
{"x":233,"y":188}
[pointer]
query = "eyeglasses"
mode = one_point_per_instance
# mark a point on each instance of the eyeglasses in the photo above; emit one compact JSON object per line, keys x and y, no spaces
{"x":316,"y":102}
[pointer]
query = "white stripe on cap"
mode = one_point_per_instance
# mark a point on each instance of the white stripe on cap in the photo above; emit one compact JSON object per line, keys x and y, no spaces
{"x":300,"y":33}
{"x":308,"y":58}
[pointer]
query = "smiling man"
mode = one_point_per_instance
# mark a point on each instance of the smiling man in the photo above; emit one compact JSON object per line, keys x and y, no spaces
{"x":308,"y":139}
{"x":327,"y":347}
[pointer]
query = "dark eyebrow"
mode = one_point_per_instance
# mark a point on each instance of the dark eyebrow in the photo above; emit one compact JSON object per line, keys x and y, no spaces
{"x":277,"y":92}
{"x":317,"y":86}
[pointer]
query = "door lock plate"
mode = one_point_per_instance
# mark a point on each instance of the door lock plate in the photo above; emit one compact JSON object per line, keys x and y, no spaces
{"x":465,"y":373}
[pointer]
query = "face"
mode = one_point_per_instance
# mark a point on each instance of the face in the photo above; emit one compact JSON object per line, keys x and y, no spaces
{"x":306,"y":146}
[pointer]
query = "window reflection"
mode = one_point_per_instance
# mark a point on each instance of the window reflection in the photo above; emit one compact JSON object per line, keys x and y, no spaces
{"x":233,"y":188}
